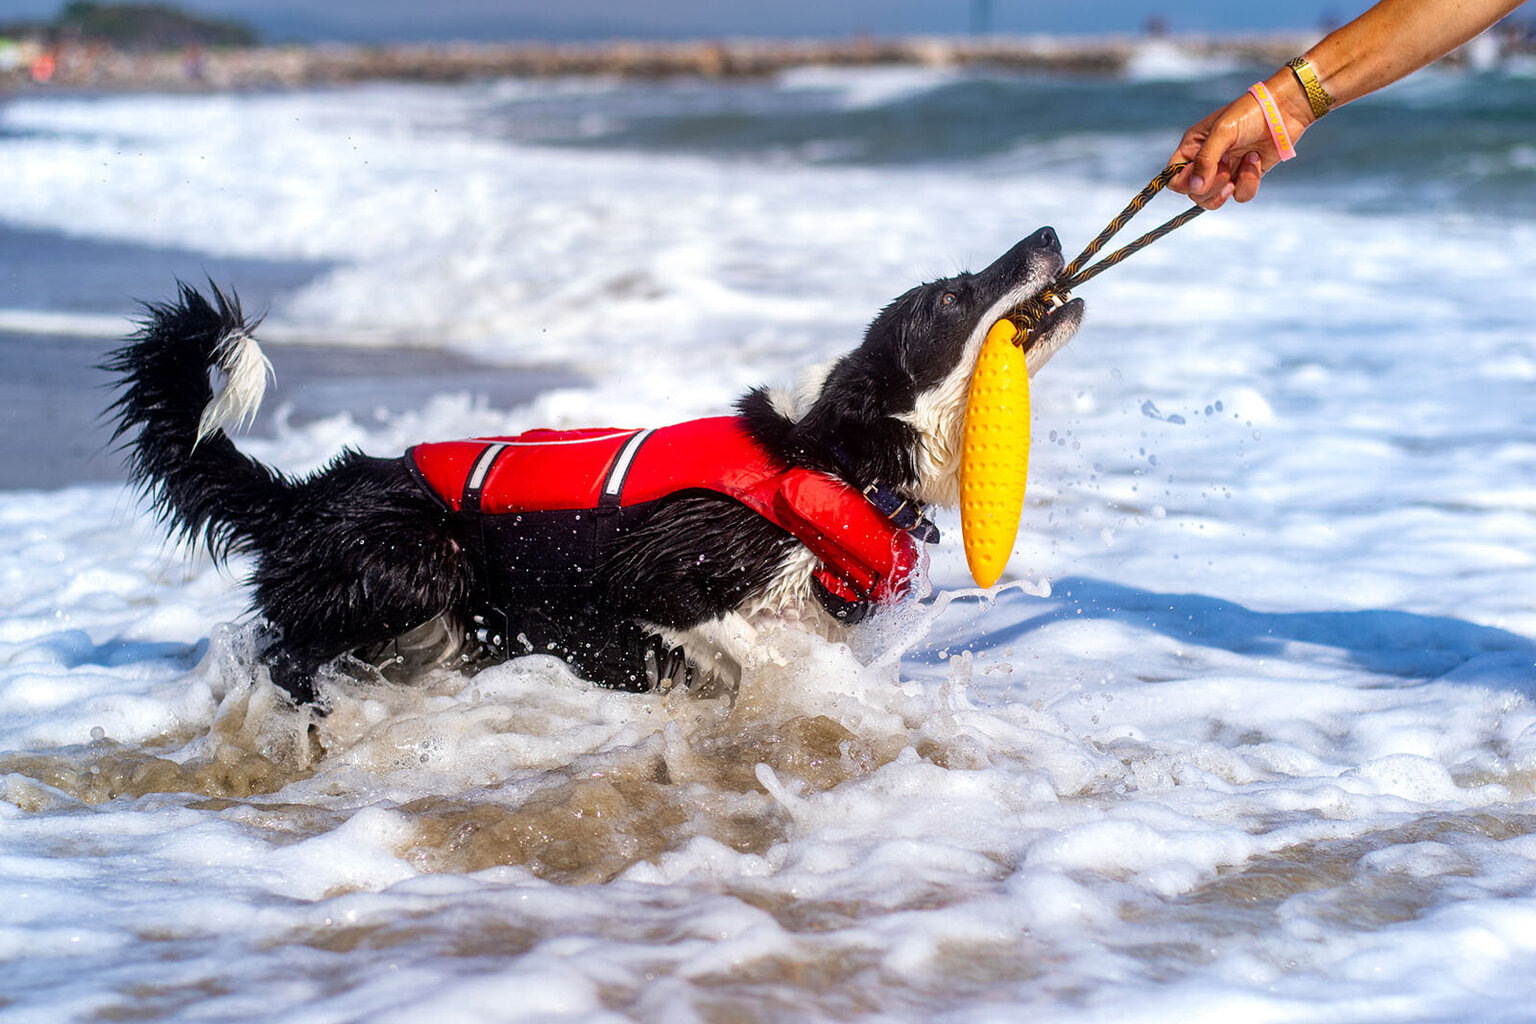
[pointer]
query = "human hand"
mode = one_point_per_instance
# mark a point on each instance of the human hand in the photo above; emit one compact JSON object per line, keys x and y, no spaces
{"x":1230,"y":150}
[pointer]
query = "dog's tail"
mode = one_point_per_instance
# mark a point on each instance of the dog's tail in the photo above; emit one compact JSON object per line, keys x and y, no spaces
{"x":172,"y":422}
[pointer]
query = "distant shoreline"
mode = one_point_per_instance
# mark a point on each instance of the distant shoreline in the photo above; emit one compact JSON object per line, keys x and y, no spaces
{"x":197,"y":69}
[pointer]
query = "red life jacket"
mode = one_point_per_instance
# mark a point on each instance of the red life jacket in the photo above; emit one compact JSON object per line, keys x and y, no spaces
{"x":864,"y":555}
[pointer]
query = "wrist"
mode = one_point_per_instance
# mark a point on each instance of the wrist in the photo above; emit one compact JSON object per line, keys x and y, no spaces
{"x":1281,"y":133}
{"x":1291,"y":99}
{"x":1319,"y":99}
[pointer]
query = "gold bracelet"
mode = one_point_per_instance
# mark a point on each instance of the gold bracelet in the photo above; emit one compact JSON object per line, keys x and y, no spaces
{"x":1317,"y":96}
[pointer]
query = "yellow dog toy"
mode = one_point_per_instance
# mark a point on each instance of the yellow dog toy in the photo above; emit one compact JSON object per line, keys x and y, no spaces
{"x":994,"y":453}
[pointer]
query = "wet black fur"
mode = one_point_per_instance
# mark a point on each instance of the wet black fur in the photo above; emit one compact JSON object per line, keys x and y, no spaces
{"x":354,"y":555}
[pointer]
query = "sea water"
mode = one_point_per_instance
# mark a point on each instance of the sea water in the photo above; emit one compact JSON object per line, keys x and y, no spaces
{"x":1246,"y":733}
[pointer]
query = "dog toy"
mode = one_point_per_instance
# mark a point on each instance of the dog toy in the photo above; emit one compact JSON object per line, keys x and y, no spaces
{"x":994,"y":447}
{"x":994,"y":453}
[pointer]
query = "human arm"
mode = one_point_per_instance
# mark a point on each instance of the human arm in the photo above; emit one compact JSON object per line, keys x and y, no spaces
{"x":1231,"y":149}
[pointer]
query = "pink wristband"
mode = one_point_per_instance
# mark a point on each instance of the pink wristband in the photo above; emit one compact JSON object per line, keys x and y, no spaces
{"x":1272,"y":118}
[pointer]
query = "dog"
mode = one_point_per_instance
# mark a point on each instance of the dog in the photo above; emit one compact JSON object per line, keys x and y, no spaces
{"x":805,"y":505}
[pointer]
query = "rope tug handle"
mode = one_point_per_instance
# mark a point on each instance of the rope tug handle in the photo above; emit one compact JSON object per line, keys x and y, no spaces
{"x":1060,"y":290}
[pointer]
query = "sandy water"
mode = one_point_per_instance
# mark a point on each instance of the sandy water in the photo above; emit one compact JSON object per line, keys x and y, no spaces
{"x":1247,"y":733}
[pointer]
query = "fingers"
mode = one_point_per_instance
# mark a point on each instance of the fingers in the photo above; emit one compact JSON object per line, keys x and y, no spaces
{"x":1211,"y":189}
{"x":1208,"y":178}
{"x":1249,"y":173}
{"x":1212,"y":184}
{"x":1179,"y":182}
{"x":1233,"y":137}
{"x":1208,"y":172}
{"x":1189,"y":146}
{"x":1219,"y":200}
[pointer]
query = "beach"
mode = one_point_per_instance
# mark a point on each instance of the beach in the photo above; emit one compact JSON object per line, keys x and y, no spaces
{"x":1247,"y":731}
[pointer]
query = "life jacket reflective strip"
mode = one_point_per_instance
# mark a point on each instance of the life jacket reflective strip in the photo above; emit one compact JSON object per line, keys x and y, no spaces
{"x":864,"y":555}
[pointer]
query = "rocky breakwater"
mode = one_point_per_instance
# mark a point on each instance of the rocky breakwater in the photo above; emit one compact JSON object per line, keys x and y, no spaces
{"x":101,"y":67}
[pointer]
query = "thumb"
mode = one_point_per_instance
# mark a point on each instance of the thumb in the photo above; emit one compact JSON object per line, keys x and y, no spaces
{"x":1185,"y":154}
{"x":1205,"y":166}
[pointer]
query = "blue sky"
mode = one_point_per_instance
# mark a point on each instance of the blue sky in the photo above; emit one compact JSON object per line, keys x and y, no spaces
{"x":376,"y":20}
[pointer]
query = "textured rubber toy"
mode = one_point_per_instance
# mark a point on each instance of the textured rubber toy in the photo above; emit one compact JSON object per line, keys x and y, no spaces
{"x":994,"y":454}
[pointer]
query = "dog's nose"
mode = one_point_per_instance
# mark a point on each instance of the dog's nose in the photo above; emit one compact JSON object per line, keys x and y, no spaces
{"x":1045,"y":238}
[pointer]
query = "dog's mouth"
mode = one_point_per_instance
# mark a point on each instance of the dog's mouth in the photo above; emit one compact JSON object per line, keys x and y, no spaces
{"x":1014,"y":283}
{"x":1033,"y":266}
{"x":1050,"y":331}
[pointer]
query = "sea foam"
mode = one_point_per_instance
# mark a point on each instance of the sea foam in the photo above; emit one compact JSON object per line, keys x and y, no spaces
{"x":1246,"y":732}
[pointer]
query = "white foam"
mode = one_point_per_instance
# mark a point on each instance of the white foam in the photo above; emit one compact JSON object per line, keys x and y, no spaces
{"x":862,"y":88}
{"x":1268,"y":755}
{"x":78,"y":325}
{"x":1161,"y":60}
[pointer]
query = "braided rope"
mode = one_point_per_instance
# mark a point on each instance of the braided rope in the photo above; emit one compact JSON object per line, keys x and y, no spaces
{"x":1035,"y":309}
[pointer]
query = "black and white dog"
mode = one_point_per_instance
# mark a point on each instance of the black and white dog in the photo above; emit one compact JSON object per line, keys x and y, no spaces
{"x":366,"y":558}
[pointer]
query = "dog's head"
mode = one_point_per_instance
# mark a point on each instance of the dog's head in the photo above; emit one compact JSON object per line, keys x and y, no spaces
{"x":892,"y":410}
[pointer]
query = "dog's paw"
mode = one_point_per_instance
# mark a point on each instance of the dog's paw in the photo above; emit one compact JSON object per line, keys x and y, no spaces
{"x":648,"y":666}
{"x":296,"y":678}
{"x":665,"y":669}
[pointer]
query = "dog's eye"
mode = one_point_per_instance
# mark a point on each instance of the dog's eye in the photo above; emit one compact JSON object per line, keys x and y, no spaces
{"x":948,"y":299}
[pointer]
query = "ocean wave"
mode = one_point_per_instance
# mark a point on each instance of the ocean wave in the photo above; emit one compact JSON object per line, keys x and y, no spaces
{"x":1248,"y":727}
{"x":46,"y":321}
{"x":1161,"y":60}
{"x":864,"y":88}
{"x":439,"y":233}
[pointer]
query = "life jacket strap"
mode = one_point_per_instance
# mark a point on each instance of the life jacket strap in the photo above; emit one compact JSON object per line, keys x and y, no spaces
{"x":613,"y":484}
{"x":474,"y":483}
